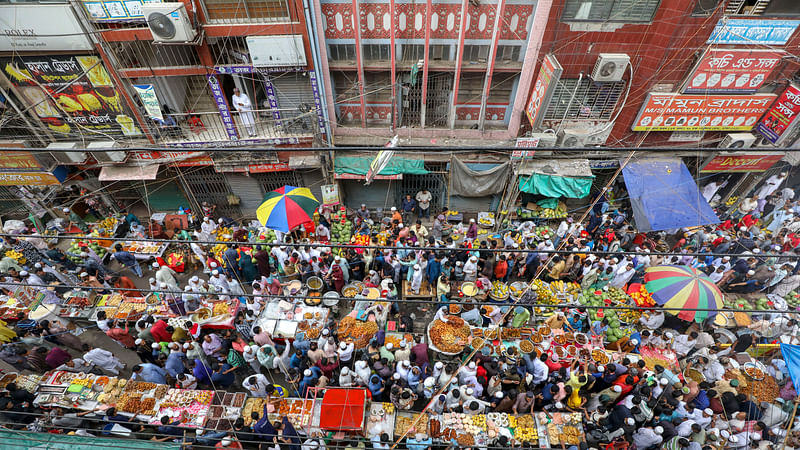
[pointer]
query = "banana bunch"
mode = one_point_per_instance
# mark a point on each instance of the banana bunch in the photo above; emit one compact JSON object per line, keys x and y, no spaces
{"x":17,"y":256}
{"x":224,"y":234}
{"x":219,"y":249}
{"x":108,"y":223}
{"x":544,"y":294}
{"x":452,"y":213}
{"x":558,"y":286}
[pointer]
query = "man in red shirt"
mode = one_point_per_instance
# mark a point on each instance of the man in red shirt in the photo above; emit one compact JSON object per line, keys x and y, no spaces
{"x":123,"y":283}
{"x":501,"y":268}
{"x":159,"y":331}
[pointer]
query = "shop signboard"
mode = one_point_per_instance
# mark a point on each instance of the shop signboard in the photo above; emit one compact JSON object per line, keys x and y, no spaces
{"x":330,"y":194}
{"x":312,"y":77}
{"x":266,"y":168}
{"x":354,"y":176}
{"x":754,"y":162}
{"x":531,"y":142}
{"x":36,"y":27}
{"x":28,"y":179}
{"x":18,"y":161}
{"x":684,"y":112}
{"x":549,"y":74}
{"x":71,"y":95}
{"x":180,"y":159}
{"x":752,"y":31}
{"x":781,"y":116}
{"x":115,"y":10}
{"x":733,"y":70}
{"x":241,"y":142}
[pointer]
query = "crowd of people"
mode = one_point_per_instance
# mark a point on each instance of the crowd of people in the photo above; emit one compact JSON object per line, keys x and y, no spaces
{"x":753,"y":250}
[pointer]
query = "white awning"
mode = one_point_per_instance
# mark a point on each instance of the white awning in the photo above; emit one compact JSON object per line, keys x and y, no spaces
{"x":556,"y":167}
{"x":304,"y":162}
{"x":122,"y":173}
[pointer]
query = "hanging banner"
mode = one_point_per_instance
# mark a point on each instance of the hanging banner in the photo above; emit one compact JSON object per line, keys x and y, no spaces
{"x":753,"y":31}
{"x":756,"y":162}
{"x":781,"y":116}
{"x":312,"y":77}
{"x":70,"y":94}
{"x":147,"y":94}
{"x":676,"y":112}
{"x":734,"y":70}
{"x":330,"y":194}
{"x":267,"y":168}
{"x":272,"y":99}
{"x":549,"y":74}
{"x":28,"y":179}
{"x":222,"y":106}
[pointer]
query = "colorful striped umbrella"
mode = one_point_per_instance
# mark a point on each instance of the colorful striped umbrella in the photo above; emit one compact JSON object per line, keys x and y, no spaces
{"x":286,"y":208}
{"x":683,"y":287}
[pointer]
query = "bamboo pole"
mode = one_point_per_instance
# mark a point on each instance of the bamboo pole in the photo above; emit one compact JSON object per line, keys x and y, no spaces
{"x":789,"y":426}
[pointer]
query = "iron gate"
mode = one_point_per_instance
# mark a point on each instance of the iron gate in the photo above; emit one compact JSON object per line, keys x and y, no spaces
{"x":208,"y":185}
{"x":274,"y":180}
{"x":436,"y":183}
{"x":437,"y":110}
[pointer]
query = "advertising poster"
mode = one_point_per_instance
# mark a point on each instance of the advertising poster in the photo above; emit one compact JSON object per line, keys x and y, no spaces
{"x":330,"y":194}
{"x":756,"y":162}
{"x":71,"y":95}
{"x":733,"y":70}
{"x":782,"y":114}
{"x":677,"y":112}
{"x":549,"y":74}
{"x":115,"y":10}
{"x":38,"y":27}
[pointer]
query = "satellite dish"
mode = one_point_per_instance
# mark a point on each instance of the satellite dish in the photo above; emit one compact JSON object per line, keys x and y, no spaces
{"x":161,"y":25}
{"x":608,"y":69}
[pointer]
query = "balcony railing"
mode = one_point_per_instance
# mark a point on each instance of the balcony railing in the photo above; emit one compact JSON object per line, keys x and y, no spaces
{"x":209,"y":126}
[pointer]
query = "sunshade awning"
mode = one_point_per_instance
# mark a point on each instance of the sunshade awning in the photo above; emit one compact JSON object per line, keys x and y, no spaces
{"x":122,"y":173}
{"x":556,"y":178}
{"x":396,"y":166}
{"x":664,"y":195}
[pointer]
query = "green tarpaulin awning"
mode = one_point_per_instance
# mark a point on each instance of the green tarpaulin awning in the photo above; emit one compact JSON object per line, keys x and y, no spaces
{"x":396,"y":166}
{"x":553,"y":186}
{"x":27,"y":439}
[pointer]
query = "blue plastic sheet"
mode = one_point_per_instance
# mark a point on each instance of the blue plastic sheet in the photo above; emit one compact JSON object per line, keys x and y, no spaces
{"x":664,"y":195}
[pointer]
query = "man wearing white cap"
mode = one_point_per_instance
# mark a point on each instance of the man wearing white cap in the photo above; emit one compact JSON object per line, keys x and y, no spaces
{"x":345,"y":352}
{"x":250,"y":355}
{"x":219,"y":284}
{"x":165,"y":274}
{"x":471,"y":269}
{"x":646,"y":437}
{"x":346,"y":378}
{"x":416,"y":279}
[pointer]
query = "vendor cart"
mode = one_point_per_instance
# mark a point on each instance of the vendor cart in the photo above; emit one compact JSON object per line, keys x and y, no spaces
{"x":341,"y":409}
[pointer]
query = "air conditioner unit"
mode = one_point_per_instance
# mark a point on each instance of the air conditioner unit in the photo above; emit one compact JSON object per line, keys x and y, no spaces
{"x":106,"y":156}
{"x":573,"y":138}
{"x":737,"y":140}
{"x":168,"y":22}
{"x":610,"y":66}
{"x":68,"y":158}
{"x":546,"y":140}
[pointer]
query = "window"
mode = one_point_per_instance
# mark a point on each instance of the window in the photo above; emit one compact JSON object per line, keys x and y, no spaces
{"x":763,"y":7}
{"x":376,"y":52}
{"x":234,"y":11}
{"x":507,"y":53}
{"x":627,"y":11}
{"x":415,"y":52}
{"x":476,"y":53}
{"x":705,"y":7}
{"x":342,"y":52}
{"x":591,"y":101}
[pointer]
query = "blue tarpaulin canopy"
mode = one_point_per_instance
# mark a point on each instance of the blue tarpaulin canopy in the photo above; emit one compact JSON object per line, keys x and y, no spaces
{"x":664,"y":195}
{"x":791,"y":356}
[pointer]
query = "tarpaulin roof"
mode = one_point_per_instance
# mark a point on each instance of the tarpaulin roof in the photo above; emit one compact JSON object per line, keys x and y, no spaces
{"x":396,"y":166}
{"x":120,"y":173}
{"x":664,"y":195}
{"x":570,"y":178}
{"x":26,"y":439}
{"x":791,"y":355}
{"x":343,"y":409}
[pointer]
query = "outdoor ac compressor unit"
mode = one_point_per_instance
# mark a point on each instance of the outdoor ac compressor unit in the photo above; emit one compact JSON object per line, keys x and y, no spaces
{"x":106,"y":156}
{"x":168,"y":22}
{"x":573,"y":138}
{"x":738,"y":140}
{"x":67,"y":158}
{"x":610,"y":67}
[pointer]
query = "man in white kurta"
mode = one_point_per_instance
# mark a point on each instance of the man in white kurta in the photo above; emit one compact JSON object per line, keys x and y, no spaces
{"x":103,"y":359}
{"x":416,"y":279}
{"x":771,"y":185}
{"x":242,"y":104}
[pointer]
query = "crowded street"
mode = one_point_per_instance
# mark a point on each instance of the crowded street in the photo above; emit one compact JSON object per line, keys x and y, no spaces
{"x":336,"y":326}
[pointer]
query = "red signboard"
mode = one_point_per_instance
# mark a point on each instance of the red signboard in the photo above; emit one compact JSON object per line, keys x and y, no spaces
{"x":265,"y":168}
{"x":758,"y":162}
{"x":677,"y":112}
{"x":549,"y":74}
{"x":733,"y":70}
{"x":783,"y":112}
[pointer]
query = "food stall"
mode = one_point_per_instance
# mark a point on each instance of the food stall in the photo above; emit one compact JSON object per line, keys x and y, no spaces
{"x":190,"y":407}
{"x":557,"y":429}
{"x":145,"y":250}
{"x":78,"y":304}
{"x":225,"y":410}
{"x":381,"y":419}
{"x":283,"y":319}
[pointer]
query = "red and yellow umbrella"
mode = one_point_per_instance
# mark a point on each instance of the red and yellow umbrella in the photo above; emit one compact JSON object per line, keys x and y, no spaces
{"x":287,"y":207}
